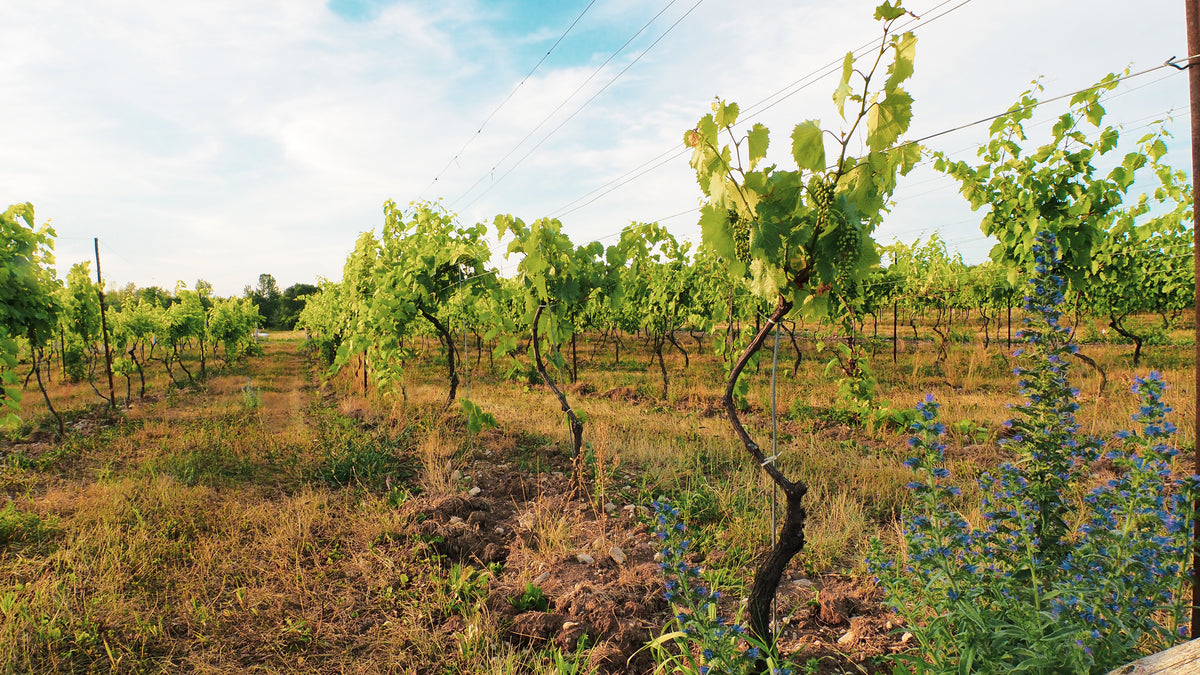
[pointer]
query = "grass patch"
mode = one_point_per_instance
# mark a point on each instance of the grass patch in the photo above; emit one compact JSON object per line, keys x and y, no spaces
{"x":17,"y":527}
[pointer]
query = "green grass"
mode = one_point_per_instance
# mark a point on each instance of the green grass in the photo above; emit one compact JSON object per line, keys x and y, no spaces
{"x":196,"y":532}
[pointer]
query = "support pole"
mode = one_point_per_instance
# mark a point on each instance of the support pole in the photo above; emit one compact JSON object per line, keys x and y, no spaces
{"x":895,"y":330}
{"x":112,"y":394}
{"x":1192,"y":16}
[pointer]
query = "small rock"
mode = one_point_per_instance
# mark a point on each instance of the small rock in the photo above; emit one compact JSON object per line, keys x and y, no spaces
{"x":456,"y":475}
{"x":847,"y":638}
{"x":541,"y":579}
{"x":585,"y":559}
{"x":804,"y":583}
{"x":499,"y":529}
{"x":888,"y":625}
{"x":617,"y":554}
{"x":474,"y":492}
{"x":610,"y":508}
{"x":905,"y":638}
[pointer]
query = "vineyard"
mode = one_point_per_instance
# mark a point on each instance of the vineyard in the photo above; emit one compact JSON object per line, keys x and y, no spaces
{"x":787,"y":448}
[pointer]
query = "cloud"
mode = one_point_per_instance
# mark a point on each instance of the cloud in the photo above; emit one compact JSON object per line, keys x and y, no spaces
{"x":223,"y":140}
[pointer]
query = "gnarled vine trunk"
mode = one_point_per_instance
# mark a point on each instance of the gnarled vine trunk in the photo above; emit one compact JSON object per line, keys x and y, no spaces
{"x":37,"y":371}
{"x":791,"y":536}
{"x":572,"y":419}
{"x":1117,"y":323}
{"x":450,"y":352}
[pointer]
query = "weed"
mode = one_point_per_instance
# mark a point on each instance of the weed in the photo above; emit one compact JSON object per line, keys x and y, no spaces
{"x":1028,"y":591}
{"x":698,"y":639}
{"x":467,"y":585}
{"x":352,"y":458}
{"x":251,"y":396}
{"x":533,"y":599}
{"x":17,"y":527}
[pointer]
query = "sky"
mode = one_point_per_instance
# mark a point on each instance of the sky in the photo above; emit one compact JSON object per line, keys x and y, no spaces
{"x":227,"y":139}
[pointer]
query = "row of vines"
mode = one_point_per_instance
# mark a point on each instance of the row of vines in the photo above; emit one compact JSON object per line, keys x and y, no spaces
{"x":784,"y":248}
{"x":48,"y":325}
{"x":784,"y":251}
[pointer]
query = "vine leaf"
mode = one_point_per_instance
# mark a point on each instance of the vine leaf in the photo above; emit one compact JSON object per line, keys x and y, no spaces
{"x":902,"y":68}
{"x":808,"y":146}
{"x":887,"y":11}
{"x":843,"y":89}
{"x":888,"y":119}
{"x":758,"y":139}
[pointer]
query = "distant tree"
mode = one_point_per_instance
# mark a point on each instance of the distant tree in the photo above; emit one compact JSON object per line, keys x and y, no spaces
{"x":117,"y":298}
{"x":156,"y":296}
{"x":292,"y":303}
{"x":266,"y":298}
{"x":267,"y":287}
{"x":204,"y":289}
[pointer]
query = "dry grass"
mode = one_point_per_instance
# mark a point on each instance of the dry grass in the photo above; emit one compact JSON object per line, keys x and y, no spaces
{"x":196,"y":533}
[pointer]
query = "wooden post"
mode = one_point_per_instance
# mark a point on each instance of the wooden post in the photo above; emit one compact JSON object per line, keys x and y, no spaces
{"x":1008,"y":327}
{"x":1179,"y":660}
{"x":1192,"y":17}
{"x":895,"y":329}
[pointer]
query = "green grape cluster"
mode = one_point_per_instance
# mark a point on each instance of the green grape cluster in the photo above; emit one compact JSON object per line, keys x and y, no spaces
{"x":847,"y":241}
{"x":822,"y":195}
{"x":741,"y":236}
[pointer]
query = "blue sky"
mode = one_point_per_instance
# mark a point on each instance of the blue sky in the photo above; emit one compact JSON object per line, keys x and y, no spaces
{"x":222,"y":140}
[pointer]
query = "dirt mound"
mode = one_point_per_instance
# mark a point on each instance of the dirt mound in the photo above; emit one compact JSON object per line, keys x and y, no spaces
{"x":622,"y":394}
{"x":464,"y":530}
{"x":704,"y":406}
{"x":580,"y":389}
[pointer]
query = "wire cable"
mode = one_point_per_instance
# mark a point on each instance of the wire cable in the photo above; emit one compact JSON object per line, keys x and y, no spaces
{"x":570,"y":96}
{"x":512,"y":93}
{"x":586,"y":103}
{"x":750,"y":113}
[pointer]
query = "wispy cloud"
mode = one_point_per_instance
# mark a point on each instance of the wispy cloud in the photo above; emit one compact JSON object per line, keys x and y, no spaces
{"x":225,"y":139}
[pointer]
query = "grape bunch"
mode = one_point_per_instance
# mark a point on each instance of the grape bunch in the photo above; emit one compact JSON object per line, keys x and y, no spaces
{"x":822,"y":195}
{"x":846,"y":245}
{"x":741,"y":236}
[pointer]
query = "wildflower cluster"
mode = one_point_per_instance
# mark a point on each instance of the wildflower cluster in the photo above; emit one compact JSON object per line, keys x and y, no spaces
{"x":1046,"y":582}
{"x":1053,"y":459}
{"x":704,"y":641}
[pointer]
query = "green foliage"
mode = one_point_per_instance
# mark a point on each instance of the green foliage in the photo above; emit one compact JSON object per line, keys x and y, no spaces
{"x":29,"y":304}
{"x":82,"y":305}
{"x":801,"y":239}
{"x":324,"y":319}
{"x":531,"y":600}
{"x":231,"y":324}
{"x":17,"y":527}
{"x":477,"y":419}
{"x":806,"y":227}
{"x":1056,"y":188}
{"x":657,"y":283}
{"x":932,"y":279}
{"x":1144,"y":262}
{"x":1049,"y":583}
{"x":557,"y":280}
